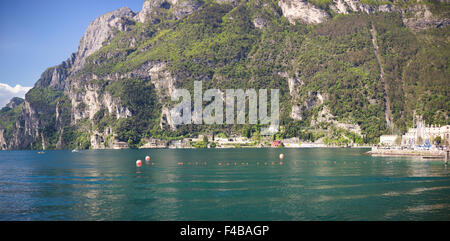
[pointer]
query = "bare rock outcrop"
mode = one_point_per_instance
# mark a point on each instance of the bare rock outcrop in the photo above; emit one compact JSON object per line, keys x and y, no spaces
{"x":154,"y":10}
{"x":415,"y":16}
{"x":260,"y":23}
{"x":26,"y":128}
{"x":314,"y":99}
{"x":100,"y":31}
{"x":300,"y":10}
{"x":3,"y":144}
{"x":419,"y":17}
{"x":14,"y":102}
{"x":348,"y":6}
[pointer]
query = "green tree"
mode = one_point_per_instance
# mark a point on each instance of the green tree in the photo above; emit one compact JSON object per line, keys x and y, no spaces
{"x":437,"y":140}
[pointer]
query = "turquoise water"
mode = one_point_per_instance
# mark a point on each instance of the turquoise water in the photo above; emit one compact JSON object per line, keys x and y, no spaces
{"x":311,"y":184}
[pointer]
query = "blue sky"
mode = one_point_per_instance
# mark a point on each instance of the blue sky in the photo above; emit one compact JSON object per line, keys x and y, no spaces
{"x":37,"y":34}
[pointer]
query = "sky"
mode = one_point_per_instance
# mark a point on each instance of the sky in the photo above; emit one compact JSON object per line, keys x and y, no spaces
{"x":37,"y":34}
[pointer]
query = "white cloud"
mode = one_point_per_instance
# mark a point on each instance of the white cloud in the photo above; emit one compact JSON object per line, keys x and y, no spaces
{"x":7,"y":93}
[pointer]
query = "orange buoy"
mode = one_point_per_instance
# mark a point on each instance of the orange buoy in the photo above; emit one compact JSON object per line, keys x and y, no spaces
{"x":147,"y":158}
{"x":281,"y":156}
{"x":138,"y":163}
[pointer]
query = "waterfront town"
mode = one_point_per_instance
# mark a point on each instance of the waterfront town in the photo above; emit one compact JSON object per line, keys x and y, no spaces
{"x":422,"y":140}
{"x":420,"y":136}
{"x":427,"y":141}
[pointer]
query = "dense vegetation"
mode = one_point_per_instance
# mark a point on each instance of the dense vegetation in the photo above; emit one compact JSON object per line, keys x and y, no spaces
{"x":140,"y":98}
{"x":8,"y":119}
{"x":220,"y":45}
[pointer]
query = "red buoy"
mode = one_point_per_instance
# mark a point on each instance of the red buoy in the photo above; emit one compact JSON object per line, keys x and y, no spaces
{"x":138,"y":163}
{"x":147,"y":158}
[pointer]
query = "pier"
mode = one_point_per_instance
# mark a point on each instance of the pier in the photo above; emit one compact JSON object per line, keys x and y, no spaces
{"x":425,"y":154}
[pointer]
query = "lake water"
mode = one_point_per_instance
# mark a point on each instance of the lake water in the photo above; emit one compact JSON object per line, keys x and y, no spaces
{"x":221,"y":184}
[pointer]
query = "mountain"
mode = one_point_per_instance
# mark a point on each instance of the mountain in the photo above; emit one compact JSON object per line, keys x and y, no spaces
{"x":347,"y":70}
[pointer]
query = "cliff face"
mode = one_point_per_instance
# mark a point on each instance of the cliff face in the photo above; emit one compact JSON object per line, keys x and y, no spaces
{"x":3,"y":144}
{"x":100,"y":32}
{"x":15,"y":102}
{"x":301,"y":10}
{"x":97,"y":35}
{"x":65,"y":80}
{"x":117,"y":86}
{"x":420,"y":17}
{"x":416,"y":17}
{"x":26,"y":129}
{"x":154,"y":11}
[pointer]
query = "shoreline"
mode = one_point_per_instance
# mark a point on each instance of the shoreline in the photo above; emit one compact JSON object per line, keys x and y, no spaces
{"x":425,"y":154}
{"x":193,"y":148}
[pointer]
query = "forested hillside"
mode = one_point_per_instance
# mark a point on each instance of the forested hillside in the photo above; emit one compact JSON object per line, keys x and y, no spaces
{"x":347,"y":70}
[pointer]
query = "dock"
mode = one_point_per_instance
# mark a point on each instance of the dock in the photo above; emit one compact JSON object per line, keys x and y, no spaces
{"x":425,"y":154}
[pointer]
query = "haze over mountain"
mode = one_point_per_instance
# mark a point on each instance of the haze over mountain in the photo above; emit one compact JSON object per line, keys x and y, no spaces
{"x":347,"y":70}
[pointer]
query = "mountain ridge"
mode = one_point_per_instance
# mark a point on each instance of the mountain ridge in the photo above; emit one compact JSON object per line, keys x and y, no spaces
{"x":97,"y":95}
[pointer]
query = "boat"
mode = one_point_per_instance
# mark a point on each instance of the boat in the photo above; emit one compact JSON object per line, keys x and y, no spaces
{"x":76,"y":150}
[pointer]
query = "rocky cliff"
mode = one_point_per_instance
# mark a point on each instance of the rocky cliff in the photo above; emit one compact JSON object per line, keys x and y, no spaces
{"x":117,"y":86}
{"x":415,"y":16}
{"x":14,"y":102}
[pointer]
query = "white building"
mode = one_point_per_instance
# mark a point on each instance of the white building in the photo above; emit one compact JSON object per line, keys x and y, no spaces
{"x":388,"y":140}
{"x":423,"y":134}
